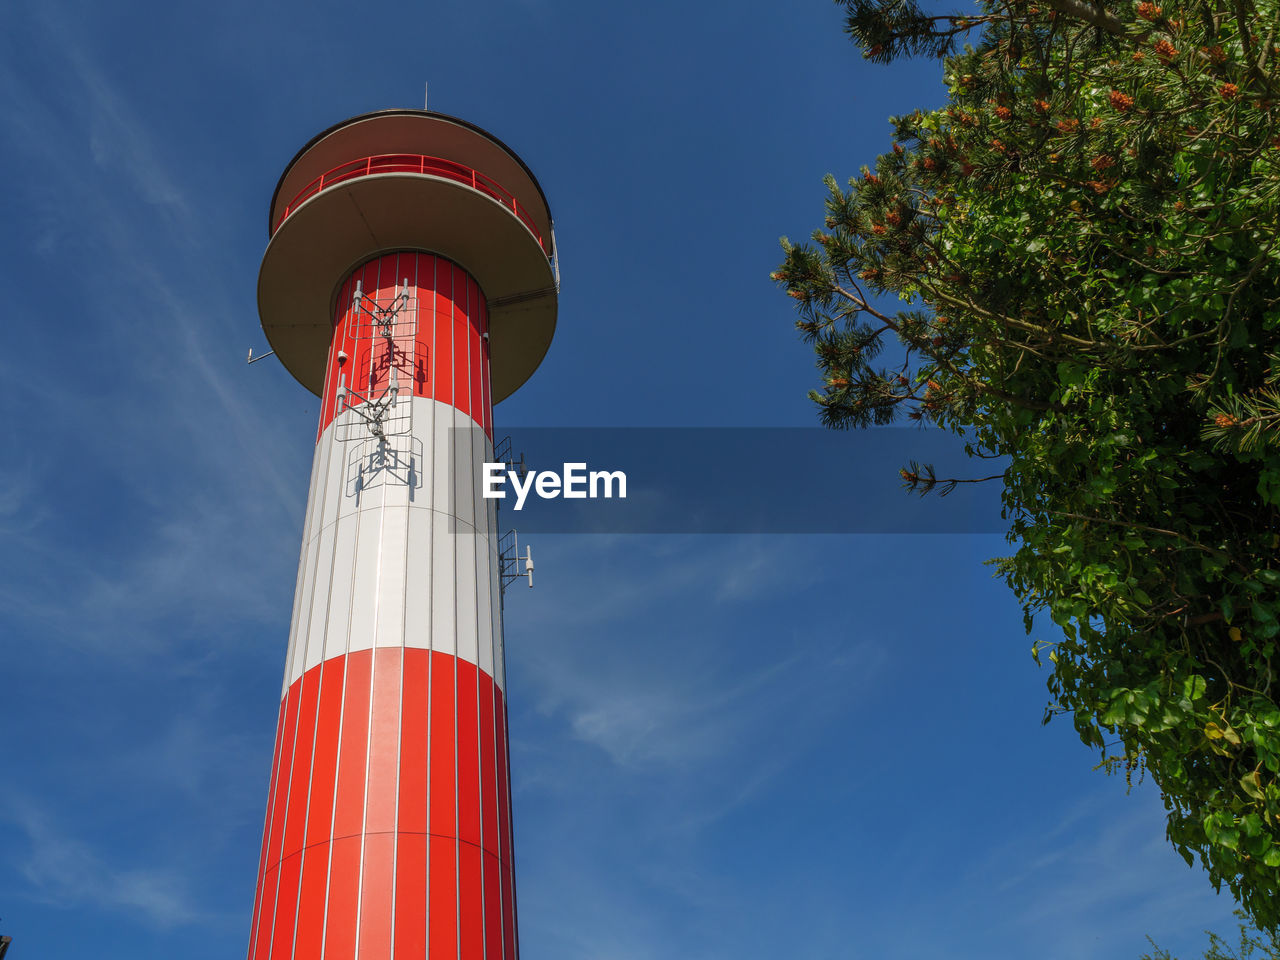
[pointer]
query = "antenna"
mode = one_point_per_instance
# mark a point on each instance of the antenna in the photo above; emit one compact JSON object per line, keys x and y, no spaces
{"x":425,"y":85}
{"x":392,"y":321}
{"x":252,"y":359}
{"x":509,"y":561}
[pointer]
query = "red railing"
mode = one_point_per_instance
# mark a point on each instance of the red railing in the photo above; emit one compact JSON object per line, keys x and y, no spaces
{"x":414,"y":163}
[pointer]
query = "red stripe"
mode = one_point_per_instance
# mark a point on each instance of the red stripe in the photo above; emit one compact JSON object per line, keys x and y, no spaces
{"x":473,"y":350}
{"x":270,"y":884}
{"x":413,"y":743}
{"x":380,"y":813}
{"x":470,"y":902}
{"x":284,"y":773}
{"x":488,"y":767}
{"x":348,"y":813}
{"x":311,"y":897}
{"x":286,"y":908}
{"x":384,"y":742}
{"x":375,"y":896}
{"x":468,"y":756}
{"x":492,"y":907}
{"x":461,"y":385}
{"x":325,"y":764}
{"x":486,"y":383}
{"x":426,"y":862}
{"x":509,"y":949}
{"x":442,"y":936}
{"x":443,"y":360}
{"x":504,"y":830}
{"x":444,"y":805}
{"x":344,"y":893}
{"x":300,"y":780}
{"x":411,"y":895}
{"x":449,"y":355}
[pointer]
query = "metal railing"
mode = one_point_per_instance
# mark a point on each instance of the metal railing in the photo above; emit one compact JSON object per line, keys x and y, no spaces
{"x":414,"y":163}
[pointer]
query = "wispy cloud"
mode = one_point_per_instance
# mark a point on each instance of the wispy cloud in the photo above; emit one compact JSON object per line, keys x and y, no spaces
{"x":212,"y":484}
{"x":62,"y":870}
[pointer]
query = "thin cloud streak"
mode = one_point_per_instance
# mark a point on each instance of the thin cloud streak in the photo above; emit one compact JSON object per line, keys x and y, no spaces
{"x":192,"y":549}
{"x":62,"y":870}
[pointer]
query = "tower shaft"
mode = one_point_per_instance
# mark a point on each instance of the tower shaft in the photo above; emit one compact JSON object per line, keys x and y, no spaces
{"x":388,"y":829}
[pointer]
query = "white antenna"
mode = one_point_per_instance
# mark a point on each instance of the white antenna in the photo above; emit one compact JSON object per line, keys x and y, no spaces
{"x":425,"y":85}
{"x":509,"y":561}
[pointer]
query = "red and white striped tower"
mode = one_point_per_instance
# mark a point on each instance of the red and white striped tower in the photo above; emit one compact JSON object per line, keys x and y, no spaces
{"x":410,"y":282}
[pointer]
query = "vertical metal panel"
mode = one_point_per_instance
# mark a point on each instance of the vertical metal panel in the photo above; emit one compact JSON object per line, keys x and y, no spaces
{"x":286,"y":907}
{"x":464,"y":550}
{"x":333,"y":479}
{"x":300,"y":778}
{"x":338,"y":622}
{"x":442,"y":359}
{"x":463,"y":463}
{"x":341,"y":910}
{"x":488,"y":764}
{"x":318,"y":600}
{"x":364,"y":584}
{"x":470,"y":902}
{"x":411,"y":896}
{"x":483,"y":604}
{"x":417,"y":606}
{"x":324,"y":764}
{"x":348,"y":814}
{"x":384,"y":743}
{"x":315,"y":603}
{"x":475,"y":322}
{"x":492,"y":906}
{"x":443,"y":590}
{"x":461,"y":328}
{"x":312,"y":891}
{"x":412,"y":809}
{"x":504,"y":831}
{"x":376,"y":896}
{"x":391,"y":576}
{"x":442,"y":933}
{"x":443,"y":758}
{"x":495,"y":596}
{"x":468,"y":755}
{"x":261,"y":948}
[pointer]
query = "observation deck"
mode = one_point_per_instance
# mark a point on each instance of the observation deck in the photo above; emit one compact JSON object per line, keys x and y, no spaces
{"x":408,"y":180}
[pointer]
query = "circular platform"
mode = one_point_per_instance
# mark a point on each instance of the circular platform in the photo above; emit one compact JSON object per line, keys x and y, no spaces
{"x":335,"y":228}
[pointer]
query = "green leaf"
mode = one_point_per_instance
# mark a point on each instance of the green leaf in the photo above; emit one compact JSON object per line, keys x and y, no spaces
{"x":1193,"y":688}
{"x":1251,"y":784}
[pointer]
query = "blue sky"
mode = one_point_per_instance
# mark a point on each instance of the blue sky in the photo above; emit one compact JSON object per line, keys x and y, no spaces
{"x":723,"y":746}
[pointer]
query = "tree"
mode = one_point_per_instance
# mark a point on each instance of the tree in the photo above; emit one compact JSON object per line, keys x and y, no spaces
{"x":1263,"y":947}
{"x":1085,"y":247}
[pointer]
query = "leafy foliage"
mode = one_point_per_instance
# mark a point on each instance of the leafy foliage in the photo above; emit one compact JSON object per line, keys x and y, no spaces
{"x":1084,"y":245}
